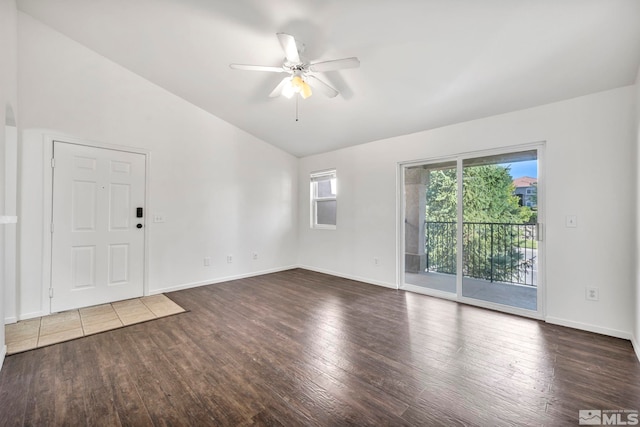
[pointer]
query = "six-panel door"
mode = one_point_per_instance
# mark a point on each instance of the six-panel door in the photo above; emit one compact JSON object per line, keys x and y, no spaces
{"x":98,"y":241}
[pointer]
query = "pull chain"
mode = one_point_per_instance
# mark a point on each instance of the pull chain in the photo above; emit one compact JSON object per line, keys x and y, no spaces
{"x":297,"y":96}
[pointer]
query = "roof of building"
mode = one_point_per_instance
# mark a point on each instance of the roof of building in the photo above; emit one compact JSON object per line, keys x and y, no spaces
{"x":524,"y":181}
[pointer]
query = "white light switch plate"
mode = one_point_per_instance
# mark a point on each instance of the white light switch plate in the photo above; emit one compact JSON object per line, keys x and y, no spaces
{"x":571,"y":221}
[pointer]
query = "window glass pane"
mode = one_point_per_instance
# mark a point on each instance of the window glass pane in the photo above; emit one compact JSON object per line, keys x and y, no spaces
{"x":326,"y":212}
{"x":431,"y":214}
{"x":499,"y":244}
{"x":325,"y":188}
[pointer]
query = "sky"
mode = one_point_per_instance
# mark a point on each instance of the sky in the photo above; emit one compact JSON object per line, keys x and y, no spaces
{"x":526,"y":168}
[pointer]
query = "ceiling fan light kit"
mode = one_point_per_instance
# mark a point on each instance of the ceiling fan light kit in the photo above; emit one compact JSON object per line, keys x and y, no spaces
{"x":301,"y":77}
{"x":295,"y":85}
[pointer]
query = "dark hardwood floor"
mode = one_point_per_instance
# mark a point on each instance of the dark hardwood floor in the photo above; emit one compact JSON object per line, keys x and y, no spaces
{"x":303,"y":348}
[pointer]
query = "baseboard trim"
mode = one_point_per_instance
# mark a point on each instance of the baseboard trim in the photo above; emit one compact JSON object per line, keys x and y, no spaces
{"x":350,"y":277}
{"x":32,"y":315}
{"x":10,"y":320}
{"x":220,"y":280}
{"x":636,"y":346}
{"x":590,"y":328}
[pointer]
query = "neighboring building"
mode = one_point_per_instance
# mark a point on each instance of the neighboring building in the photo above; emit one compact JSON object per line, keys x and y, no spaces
{"x":526,"y":188}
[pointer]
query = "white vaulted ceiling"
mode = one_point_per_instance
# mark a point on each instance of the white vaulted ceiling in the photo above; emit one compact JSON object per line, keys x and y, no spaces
{"x":424,"y":63}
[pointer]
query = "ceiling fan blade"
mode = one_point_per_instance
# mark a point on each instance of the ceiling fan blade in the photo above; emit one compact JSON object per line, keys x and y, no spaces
{"x":336,"y":64}
{"x":288,"y":43}
{"x":316,"y":83}
{"x":257,"y":68}
{"x":278,"y":89}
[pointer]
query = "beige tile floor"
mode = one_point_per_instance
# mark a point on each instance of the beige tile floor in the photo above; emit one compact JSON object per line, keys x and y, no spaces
{"x":59,"y":327}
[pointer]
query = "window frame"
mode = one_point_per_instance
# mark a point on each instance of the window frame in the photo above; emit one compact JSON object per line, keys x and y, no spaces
{"x":314,"y":178}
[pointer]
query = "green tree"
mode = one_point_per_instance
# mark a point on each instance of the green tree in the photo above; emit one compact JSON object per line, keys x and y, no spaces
{"x":488,"y":196}
{"x":489,"y":205}
{"x":442,"y":194}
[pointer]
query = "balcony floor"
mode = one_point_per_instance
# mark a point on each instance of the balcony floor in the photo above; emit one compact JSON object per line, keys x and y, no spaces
{"x":500,"y":293}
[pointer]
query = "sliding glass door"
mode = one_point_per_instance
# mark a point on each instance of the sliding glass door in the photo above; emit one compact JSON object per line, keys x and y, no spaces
{"x":471,"y":229}
{"x":431,"y":230}
{"x":499,"y":241}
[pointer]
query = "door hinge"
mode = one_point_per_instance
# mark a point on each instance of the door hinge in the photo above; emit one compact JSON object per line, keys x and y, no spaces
{"x":51,"y":227}
{"x":53,"y":162}
{"x":50,"y":292}
{"x":539,"y":232}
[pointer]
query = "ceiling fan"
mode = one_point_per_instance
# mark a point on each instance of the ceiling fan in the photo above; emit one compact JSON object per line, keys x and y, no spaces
{"x":301,"y":79}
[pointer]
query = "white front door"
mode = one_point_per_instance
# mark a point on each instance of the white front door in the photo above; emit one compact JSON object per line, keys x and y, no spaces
{"x":98,"y":230}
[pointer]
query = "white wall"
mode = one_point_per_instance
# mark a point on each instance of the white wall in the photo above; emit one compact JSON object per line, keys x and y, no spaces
{"x":589,"y":173}
{"x":8,"y":104}
{"x":221,"y":190}
{"x":225,"y":192}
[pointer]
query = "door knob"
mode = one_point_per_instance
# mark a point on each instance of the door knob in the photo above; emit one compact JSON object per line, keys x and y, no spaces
{"x":139,"y":226}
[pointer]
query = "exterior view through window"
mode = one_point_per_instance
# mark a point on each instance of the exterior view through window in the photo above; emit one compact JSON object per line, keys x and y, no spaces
{"x":324,"y":201}
{"x":488,"y":249}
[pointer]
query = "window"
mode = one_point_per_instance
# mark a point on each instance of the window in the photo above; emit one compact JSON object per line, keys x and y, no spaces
{"x":324,"y":202}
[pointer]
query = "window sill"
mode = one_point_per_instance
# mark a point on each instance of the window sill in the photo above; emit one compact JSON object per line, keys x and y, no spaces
{"x":323,"y":227}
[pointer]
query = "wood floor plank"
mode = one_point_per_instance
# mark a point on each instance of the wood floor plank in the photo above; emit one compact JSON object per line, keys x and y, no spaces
{"x":166,"y":394}
{"x":15,"y":379}
{"x":126,"y":400}
{"x":70,"y":406}
{"x":300,"y":348}
{"x":94,"y":369}
{"x":40,"y":396}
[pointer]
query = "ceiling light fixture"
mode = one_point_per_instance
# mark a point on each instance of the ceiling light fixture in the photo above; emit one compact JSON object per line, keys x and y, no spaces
{"x":296,"y":85}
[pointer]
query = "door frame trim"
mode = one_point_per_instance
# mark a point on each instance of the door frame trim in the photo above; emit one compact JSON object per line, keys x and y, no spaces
{"x":540,"y":146}
{"x":47,"y":238}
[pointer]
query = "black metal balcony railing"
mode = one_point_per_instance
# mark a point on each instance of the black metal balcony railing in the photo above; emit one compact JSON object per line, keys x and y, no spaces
{"x":497,"y":252}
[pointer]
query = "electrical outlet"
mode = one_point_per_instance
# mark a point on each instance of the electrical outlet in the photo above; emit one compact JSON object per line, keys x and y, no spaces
{"x":158,"y":217}
{"x":592,"y":294}
{"x":229,"y":259}
{"x":207,"y":261}
{"x":254,"y":256}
